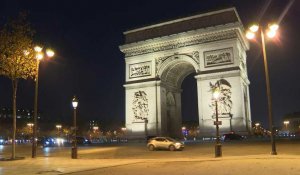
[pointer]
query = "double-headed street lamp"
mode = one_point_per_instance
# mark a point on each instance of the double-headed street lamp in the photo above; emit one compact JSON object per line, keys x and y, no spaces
{"x":39,"y":57}
{"x":218,"y":146}
{"x":271,"y":32}
{"x":74,"y":142}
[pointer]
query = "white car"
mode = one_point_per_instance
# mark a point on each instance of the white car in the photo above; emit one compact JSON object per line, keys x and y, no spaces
{"x":164,"y":143}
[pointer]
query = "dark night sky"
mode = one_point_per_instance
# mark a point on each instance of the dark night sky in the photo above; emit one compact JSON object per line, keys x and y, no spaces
{"x":86,"y":36}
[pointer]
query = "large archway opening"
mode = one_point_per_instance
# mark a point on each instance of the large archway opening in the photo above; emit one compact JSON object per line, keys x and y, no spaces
{"x":189,"y":104}
{"x":172,"y":78}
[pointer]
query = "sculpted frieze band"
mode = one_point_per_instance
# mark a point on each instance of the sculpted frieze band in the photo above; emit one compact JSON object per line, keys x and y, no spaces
{"x":180,"y":44}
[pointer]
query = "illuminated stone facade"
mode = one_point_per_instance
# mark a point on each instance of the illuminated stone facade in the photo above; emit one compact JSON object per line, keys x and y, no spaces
{"x":159,"y":57}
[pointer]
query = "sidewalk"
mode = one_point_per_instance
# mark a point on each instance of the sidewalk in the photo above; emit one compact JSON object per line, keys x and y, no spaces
{"x":258,"y":164}
{"x":53,"y":165}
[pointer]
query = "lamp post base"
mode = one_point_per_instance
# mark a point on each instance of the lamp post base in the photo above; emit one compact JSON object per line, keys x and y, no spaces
{"x":273,"y":153}
{"x":74,"y":153}
{"x":218,"y":150}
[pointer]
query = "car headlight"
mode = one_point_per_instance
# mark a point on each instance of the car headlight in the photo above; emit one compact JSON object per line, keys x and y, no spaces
{"x":60,"y":141}
{"x":177,"y":145}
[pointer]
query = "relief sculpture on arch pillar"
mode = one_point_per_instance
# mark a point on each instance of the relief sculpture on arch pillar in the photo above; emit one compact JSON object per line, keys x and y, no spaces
{"x":140,"y":106}
{"x":224,"y":102}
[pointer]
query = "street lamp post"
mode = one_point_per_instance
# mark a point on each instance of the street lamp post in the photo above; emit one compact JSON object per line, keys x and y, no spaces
{"x":124,"y":130}
{"x":218,"y":146}
{"x":257,"y":125}
{"x":146,"y":128}
{"x":58,"y":130}
{"x":39,"y":57}
{"x":183,"y":131}
{"x":257,"y":128}
{"x":95,"y":128}
{"x":74,"y":143}
{"x":286,"y":123}
{"x":271,"y":32}
{"x":30,"y":125}
{"x":96,"y":131}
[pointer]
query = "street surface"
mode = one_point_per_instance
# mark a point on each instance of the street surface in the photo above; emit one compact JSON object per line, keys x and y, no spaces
{"x":239,"y":157}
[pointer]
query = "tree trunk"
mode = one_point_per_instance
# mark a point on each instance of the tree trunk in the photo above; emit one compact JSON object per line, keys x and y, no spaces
{"x":14,"y":116}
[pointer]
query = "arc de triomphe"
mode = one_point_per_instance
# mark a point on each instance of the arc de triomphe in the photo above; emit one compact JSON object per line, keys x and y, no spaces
{"x":160,"y":56}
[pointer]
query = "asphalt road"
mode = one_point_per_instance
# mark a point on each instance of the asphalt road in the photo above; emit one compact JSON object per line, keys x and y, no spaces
{"x":139,"y":150}
{"x":246,"y":157}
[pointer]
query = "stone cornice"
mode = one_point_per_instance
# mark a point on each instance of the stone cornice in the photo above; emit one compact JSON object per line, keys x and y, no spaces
{"x":228,"y":31}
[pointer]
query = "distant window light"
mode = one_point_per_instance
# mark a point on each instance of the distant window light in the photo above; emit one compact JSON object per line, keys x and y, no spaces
{"x":18,"y":116}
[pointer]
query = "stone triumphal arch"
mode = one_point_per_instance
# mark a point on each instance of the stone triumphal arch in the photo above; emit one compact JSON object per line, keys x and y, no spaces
{"x":159,"y":57}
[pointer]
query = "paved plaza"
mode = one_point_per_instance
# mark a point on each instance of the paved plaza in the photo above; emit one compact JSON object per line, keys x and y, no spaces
{"x":248,"y":157}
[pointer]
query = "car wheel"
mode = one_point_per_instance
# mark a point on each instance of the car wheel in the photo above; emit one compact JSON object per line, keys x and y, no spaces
{"x":172,"y":148}
{"x":151,"y":147}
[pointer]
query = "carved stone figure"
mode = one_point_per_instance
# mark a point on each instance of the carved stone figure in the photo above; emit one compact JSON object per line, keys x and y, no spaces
{"x":224,"y":102}
{"x":140,"y":106}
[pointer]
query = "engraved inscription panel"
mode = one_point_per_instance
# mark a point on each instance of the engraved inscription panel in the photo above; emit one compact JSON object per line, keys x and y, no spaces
{"x":218,"y":57}
{"x":140,"y":69}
